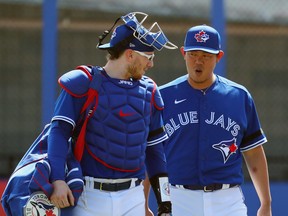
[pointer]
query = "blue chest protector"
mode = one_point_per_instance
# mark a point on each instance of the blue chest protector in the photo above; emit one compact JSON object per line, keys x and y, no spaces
{"x":116,"y":134}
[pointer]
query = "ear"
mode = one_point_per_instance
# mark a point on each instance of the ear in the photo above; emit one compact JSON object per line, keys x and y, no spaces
{"x":220,"y":55}
{"x":128,"y":54}
{"x":182,"y":51}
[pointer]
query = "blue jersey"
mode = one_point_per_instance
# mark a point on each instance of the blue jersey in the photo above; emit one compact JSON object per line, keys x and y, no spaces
{"x":208,"y":131}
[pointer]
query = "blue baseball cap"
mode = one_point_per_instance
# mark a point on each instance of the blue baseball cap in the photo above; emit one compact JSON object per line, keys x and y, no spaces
{"x":203,"y":38}
{"x":123,"y":32}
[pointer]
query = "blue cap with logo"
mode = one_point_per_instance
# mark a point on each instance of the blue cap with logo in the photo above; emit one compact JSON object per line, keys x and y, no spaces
{"x":204,"y":38}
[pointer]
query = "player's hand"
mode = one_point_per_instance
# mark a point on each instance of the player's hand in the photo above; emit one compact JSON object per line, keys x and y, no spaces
{"x":148,"y":212}
{"x":164,"y":209}
{"x":62,"y":195}
{"x":264,"y":210}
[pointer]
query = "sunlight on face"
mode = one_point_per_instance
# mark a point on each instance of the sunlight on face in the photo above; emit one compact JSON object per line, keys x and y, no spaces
{"x":200,"y":66}
{"x":139,"y":66}
{"x":134,"y":71}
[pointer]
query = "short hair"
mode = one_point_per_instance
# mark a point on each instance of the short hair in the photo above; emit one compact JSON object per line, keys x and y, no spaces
{"x":116,"y":51}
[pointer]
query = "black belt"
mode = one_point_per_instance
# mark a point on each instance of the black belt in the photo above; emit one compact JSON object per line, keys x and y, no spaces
{"x":115,"y":186}
{"x":208,"y":188}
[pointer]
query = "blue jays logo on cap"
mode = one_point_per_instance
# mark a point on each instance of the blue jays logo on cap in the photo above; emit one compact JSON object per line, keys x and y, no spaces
{"x":113,"y":34}
{"x":204,"y":38}
{"x":201,"y":36}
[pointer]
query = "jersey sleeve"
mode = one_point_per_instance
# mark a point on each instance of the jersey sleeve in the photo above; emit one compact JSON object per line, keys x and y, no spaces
{"x":155,"y":160}
{"x":66,"y":115}
{"x":254,"y":135}
{"x":157,"y":132}
{"x":68,"y":108}
{"x":155,"y":157}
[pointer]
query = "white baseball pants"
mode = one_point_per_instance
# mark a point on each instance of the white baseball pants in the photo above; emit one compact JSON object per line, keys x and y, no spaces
{"x":225,"y":202}
{"x":93,"y":202}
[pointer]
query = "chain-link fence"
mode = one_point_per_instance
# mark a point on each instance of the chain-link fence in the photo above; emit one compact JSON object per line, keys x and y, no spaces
{"x":256,"y":57}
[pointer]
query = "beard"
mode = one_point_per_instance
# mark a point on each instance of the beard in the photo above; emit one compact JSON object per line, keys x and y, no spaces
{"x":134,"y":72}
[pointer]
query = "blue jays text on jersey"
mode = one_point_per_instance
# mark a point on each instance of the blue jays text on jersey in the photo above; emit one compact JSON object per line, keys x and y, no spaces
{"x":191,"y":117}
{"x":217,"y":127}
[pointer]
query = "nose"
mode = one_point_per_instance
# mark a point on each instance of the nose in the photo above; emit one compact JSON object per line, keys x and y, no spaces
{"x":151,"y":64}
{"x":199,"y":60}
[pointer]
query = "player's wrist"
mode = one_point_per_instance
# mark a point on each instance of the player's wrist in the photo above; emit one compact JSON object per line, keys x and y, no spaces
{"x":160,"y":186}
{"x":164,"y":208}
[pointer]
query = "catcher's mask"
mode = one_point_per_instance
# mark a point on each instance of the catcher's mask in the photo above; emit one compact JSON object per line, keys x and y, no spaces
{"x":141,"y":38}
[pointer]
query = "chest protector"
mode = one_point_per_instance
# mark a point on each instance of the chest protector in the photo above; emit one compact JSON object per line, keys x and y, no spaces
{"x":117,"y":132}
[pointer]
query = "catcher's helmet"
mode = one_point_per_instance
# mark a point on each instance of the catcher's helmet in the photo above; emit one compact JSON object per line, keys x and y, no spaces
{"x":143,"y":39}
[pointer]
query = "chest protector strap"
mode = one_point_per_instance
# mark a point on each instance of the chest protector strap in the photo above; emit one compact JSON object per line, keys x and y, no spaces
{"x":92,"y":98}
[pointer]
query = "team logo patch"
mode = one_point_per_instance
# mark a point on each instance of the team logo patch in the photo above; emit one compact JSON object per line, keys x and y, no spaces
{"x":164,"y":189}
{"x":227,"y":148}
{"x":39,"y":205}
{"x":179,"y":101}
{"x":201,"y":37}
{"x":132,"y":45}
{"x":125,"y":114}
{"x":125,"y":82}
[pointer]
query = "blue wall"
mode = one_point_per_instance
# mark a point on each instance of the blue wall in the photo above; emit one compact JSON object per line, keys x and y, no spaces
{"x":49,"y":59}
{"x":279,"y":192}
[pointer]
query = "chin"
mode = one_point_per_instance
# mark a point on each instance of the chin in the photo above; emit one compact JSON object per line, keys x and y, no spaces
{"x":137,"y":78}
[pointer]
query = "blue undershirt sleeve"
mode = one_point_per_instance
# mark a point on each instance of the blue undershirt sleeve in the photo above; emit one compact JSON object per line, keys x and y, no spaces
{"x":155,"y":160}
{"x":58,"y":147}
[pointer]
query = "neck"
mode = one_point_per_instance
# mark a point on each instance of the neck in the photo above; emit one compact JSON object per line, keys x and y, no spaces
{"x":115,"y":69}
{"x":202,"y":85}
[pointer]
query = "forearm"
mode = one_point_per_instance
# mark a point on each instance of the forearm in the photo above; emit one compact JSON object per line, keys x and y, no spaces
{"x":147,"y":187}
{"x":58,"y":148}
{"x":158,"y":178}
{"x":155,"y":160}
{"x":258,"y":169}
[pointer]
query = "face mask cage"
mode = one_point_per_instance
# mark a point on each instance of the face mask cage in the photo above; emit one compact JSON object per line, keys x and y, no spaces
{"x":154,"y":36}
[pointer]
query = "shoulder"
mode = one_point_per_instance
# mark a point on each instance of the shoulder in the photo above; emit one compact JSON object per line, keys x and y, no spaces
{"x":157,"y":100}
{"x":226,"y":87}
{"x":76,"y":82}
{"x":230,"y":85}
{"x":174,"y":83}
{"x":148,"y":81}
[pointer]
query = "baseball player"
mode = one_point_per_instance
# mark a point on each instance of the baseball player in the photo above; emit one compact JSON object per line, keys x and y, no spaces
{"x":124,"y":134}
{"x":211,"y":123}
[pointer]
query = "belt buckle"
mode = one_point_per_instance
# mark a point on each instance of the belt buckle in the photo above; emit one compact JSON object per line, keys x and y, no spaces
{"x":207,"y":190}
{"x":101,"y":186}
